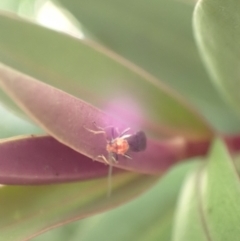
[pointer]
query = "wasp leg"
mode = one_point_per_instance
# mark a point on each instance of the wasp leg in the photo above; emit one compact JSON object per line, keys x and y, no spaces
{"x":124,"y":132}
{"x":114,"y":158}
{"x":114,"y":129}
{"x":126,"y":155}
{"x":101,"y":128}
{"x":103,"y":158}
{"x":95,"y":132}
{"x":98,"y":127}
{"x":99,"y":131}
{"x":95,"y":158}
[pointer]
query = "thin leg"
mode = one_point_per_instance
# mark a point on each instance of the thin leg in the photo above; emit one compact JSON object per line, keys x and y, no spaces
{"x":124,"y":132}
{"x":115,"y":133}
{"x":103,"y":131}
{"x":110,"y":159}
{"x":103,"y":158}
{"x":126,"y":155}
{"x":113,"y":157}
{"x":101,"y":128}
{"x":95,"y":132}
{"x":98,"y":127}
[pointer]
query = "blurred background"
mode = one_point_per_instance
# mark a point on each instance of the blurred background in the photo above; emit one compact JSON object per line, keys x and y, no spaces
{"x":157,"y":36}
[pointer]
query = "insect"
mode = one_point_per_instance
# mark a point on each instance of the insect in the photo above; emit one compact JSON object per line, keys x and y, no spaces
{"x":119,"y":144}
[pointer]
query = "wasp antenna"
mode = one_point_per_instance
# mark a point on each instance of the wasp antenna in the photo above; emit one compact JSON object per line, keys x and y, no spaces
{"x":98,"y":127}
{"x":113,"y":133}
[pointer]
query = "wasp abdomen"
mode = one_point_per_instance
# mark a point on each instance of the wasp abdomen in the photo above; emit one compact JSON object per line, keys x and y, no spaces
{"x":137,"y":142}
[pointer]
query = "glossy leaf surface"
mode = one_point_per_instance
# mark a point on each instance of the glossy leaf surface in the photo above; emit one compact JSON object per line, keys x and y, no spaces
{"x":150,"y":217}
{"x":54,"y":205}
{"x":217,"y":33}
{"x":208,"y":209}
{"x":111,"y":86}
{"x":158,"y":36}
{"x":66,"y":117}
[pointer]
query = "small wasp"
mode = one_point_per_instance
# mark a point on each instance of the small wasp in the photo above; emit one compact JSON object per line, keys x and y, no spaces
{"x":119,"y":144}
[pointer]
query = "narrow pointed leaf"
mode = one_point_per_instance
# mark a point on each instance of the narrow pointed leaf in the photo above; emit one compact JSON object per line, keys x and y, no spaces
{"x":150,"y":217}
{"x":209,"y":207}
{"x":12,"y":125}
{"x":65,"y":117}
{"x":145,"y":32}
{"x":43,"y":160}
{"x":217,"y":33}
{"x":28,"y":211}
{"x":188,"y":224}
{"x":222,"y":195}
{"x":111,"y":86}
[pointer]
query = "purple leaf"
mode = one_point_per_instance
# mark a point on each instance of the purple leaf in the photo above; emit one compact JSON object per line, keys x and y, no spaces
{"x":65,"y":117}
{"x":41,"y":160}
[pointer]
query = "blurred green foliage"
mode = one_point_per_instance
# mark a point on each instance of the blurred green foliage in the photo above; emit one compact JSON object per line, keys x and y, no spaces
{"x":158,"y":37}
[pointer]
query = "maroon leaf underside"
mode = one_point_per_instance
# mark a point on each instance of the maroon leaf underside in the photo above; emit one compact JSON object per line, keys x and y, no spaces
{"x":33,"y":160}
{"x":43,"y":160}
{"x":65,"y":117}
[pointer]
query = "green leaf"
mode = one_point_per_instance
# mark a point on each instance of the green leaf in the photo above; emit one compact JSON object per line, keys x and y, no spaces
{"x":208,"y":209}
{"x":94,"y":74}
{"x":28,"y":211}
{"x":222,"y":195}
{"x":216,"y":28}
{"x":9,"y":104}
{"x":188,"y":224}
{"x":12,"y":125}
{"x":10,"y":5}
{"x":157,"y":36}
{"x":150,"y":217}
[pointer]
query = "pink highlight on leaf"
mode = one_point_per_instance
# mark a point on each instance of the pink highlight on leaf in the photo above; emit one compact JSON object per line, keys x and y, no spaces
{"x":127,"y":111}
